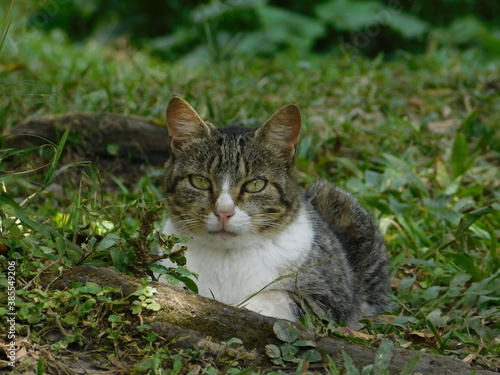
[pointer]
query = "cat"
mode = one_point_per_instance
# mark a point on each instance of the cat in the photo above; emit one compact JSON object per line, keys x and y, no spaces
{"x":255,"y":240}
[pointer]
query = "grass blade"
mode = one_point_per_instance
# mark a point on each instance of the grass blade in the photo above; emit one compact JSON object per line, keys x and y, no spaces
{"x":470,"y":218}
{"x":383,"y":358}
{"x":53,"y":164}
{"x":52,"y":173}
{"x":5,"y":29}
{"x":9,"y":206}
{"x":408,"y":369}
{"x":459,"y":156}
{"x":349,"y":365}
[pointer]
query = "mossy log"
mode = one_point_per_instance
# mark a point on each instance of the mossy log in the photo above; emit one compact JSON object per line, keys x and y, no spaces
{"x":191,"y":321}
{"x":135,"y":139}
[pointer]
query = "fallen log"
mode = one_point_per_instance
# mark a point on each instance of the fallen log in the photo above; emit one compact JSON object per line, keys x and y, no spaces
{"x":120,"y":145}
{"x":192,"y":321}
{"x":137,"y":138}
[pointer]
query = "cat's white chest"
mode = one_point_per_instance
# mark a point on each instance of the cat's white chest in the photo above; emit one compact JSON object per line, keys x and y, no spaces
{"x":242,"y":271}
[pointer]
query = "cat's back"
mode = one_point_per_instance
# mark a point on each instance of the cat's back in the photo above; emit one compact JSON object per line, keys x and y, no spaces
{"x":360,"y":240}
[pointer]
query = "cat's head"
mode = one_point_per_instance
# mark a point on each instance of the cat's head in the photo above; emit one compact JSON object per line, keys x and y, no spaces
{"x":224,"y":183}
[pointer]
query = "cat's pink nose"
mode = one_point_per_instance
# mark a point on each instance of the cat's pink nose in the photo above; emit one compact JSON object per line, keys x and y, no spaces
{"x":224,"y":216}
{"x":224,"y":208}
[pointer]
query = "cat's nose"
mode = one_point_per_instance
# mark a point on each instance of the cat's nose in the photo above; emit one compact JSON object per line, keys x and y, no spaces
{"x":224,"y":216}
{"x":224,"y":208}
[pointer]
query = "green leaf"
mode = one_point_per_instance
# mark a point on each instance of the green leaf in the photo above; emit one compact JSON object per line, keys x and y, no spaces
{"x":459,"y":156}
{"x":177,"y":366}
{"x":407,"y":25}
{"x":5,"y":28}
{"x":183,"y":271}
{"x":457,"y":284}
{"x":486,"y":286}
{"x":467,"y":263}
{"x":190,"y":284}
{"x":150,"y":336}
{"x":213,"y":10}
{"x":453,"y":217}
{"x":367,"y":17}
{"x":9,"y":206}
{"x":115,"y":318}
{"x":109,"y":240}
{"x":121,"y":258}
{"x":152,"y":305}
{"x":296,"y":23}
{"x":40,"y":367}
{"x":289,"y":358}
{"x":444,"y":242}
{"x":431,"y":293}
{"x":70,"y":320}
{"x":349,"y":365}
{"x":471,"y":217}
{"x":136,"y":308}
{"x":465,"y":29}
{"x":234,"y":341}
{"x":406,"y":285}
{"x":348,"y":15}
{"x":144,"y":365}
{"x":332,"y":367}
{"x":382,"y":358}
{"x":90,"y":287}
{"x":51,"y":172}
{"x":281,"y":27}
{"x":408,"y":368}
{"x":149,"y":291}
{"x":312,"y":356}
{"x":171,"y":279}
{"x":113,"y":149}
{"x":158,"y":268}
{"x":288,"y":349}
{"x":285,"y":331}
{"x":273,"y":351}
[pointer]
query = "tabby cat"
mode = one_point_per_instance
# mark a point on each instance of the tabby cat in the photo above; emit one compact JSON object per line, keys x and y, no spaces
{"x":255,"y":240}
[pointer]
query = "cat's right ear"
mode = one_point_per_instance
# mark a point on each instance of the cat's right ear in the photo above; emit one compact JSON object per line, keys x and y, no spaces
{"x":282,"y":130}
{"x":184,"y":123}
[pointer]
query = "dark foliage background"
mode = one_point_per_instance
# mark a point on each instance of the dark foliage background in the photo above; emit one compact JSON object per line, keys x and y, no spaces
{"x":173,"y":28}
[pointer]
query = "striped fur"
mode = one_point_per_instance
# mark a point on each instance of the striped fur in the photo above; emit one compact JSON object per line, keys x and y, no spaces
{"x":233,"y":191}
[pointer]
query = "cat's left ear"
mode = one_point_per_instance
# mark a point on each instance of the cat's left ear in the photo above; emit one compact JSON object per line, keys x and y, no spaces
{"x":282,"y":129}
{"x":184,"y":123}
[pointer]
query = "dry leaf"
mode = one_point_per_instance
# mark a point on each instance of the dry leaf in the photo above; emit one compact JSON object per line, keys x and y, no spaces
{"x":442,"y":126}
{"x":421,"y":338}
{"x":116,"y":362}
{"x":3,"y":249}
{"x":12,"y":67}
{"x":471,"y":357}
{"x":352,"y":333}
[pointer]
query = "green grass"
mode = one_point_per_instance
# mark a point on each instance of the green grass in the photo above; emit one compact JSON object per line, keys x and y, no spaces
{"x":416,"y":138}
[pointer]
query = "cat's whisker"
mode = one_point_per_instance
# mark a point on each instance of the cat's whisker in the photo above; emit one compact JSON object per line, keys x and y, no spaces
{"x":267,"y":222}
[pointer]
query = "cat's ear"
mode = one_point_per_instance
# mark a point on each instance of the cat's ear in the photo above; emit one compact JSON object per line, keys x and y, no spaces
{"x":282,"y":130}
{"x":184,"y":123}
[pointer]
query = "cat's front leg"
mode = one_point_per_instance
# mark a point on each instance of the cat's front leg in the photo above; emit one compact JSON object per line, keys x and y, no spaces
{"x":274,"y":303}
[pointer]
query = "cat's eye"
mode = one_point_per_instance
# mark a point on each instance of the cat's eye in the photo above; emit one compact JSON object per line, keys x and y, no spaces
{"x":254,"y":186}
{"x":200,"y":182}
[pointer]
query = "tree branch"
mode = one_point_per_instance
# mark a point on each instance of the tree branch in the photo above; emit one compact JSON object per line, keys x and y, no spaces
{"x":192,"y":321}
